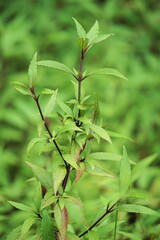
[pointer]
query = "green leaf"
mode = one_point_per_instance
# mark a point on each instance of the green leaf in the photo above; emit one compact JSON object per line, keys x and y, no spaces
{"x":47,"y":227}
{"x":73,"y":198}
{"x":64,"y":107}
{"x":93,"y":32}
{"x":22,"y":88}
{"x":38,"y":197}
{"x":61,"y":217}
{"x":21,"y":206}
{"x":80,"y":30}
{"x":79,"y":171}
{"x":72,"y":236}
{"x":108,"y":71}
{"x":104,"y":156}
{"x":15,"y":234}
{"x":101,"y":132}
{"x":133,"y":208}
{"x":101,"y":38}
{"x":83,"y":92}
{"x":50,"y":105}
{"x":49,"y":201}
{"x":58,"y":176}
{"x":93,"y":235}
{"x":48,"y":91}
{"x":93,"y":168}
{"x":55,"y":65}
{"x":70,"y":159}
{"x":27,"y":225}
{"x":131,"y":236}
{"x":68,"y":127}
{"x":117,"y":135}
{"x":42,"y":175}
{"x":125,"y":173}
{"x":32,"y":71}
{"x":33,"y":142}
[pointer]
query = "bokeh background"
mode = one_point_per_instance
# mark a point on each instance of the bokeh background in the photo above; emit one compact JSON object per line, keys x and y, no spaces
{"x":131,"y":108}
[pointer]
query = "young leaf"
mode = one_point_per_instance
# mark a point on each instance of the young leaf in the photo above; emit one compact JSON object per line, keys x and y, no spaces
{"x":21,"y":206}
{"x":95,"y":169}
{"x":50,"y":105}
{"x":104,"y":156}
{"x":22,"y":88}
{"x":15,"y":234}
{"x":133,"y":208}
{"x":38,"y":197}
{"x":33,"y":142}
{"x":55,"y":65}
{"x":42,"y":175}
{"x":49,"y":201}
{"x":58,"y":176}
{"x":32,"y":71}
{"x":47,"y":227}
{"x":100,"y":132}
{"x":73,"y":198}
{"x":108,"y":71}
{"x":125,"y":173}
{"x":101,"y":38}
{"x":64,"y":107}
{"x":27,"y":225}
{"x":70,"y":159}
{"x":80,"y":30}
{"x":93,"y":32}
{"x":79,"y":171}
{"x":47,"y":91}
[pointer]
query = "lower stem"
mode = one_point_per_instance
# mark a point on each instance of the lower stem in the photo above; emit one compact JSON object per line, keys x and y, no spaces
{"x":79,"y":97}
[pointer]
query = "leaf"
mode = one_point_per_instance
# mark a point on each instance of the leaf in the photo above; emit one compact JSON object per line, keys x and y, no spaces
{"x":93,"y":32}
{"x":125,"y":173}
{"x":101,"y":38}
{"x":42,"y":175}
{"x":72,"y":236}
{"x":22,"y":88}
{"x":133,"y":236}
{"x":50,"y":105}
{"x":32,"y":71}
{"x":21,"y":206}
{"x":80,"y":30}
{"x":93,"y":235}
{"x":64,"y":107}
{"x":61,"y":217}
{"x":83,"y":92}
{"x":69,"y":127}
{"x":58,"y":176}
{"x":33,"y":142}
{"x":70,"y":159}
{"x":38,"y":197}
{"x":95,"y":169}
{"x":14,"y":234}
{"x":55,"y":65}
{"x":73,"y":198}
{"x":79,"y":171}
{"x":49,"y":201}
{"x":104,"y":156}
{"x":101,"y":132}
{"x":108,"y":71}
{"x":27,"y":225}
{"x":47,"y":227}
{"x":133,"y":208}
{"x":117,"y":135}
{"x":48,"y":91}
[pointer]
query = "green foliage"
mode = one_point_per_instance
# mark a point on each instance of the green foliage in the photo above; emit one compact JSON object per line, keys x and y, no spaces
{"x":132,"y":110}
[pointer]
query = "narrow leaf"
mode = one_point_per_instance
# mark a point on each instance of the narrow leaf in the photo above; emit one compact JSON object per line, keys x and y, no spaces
{"x":80,"y":30}
{"x":80,"y":170}
{"x":133,"y":208}
{"x":50,"y":105}
{"x":49,"y":201}
{"x":125,"y":173}
{"x":33,"y":142}
{"x":108,"y":71}
{"x":58,"y":176}
{"x":32,"y":71}
{"x":93,"y":235}
{"x":27,"y":225}
{"x":101,"y":132}
{"x":64,"y":107}
{"x":61,"y":217}
{"x":48,"y":91}
{"x":101,"y":38}
{"x":21,"y":206}
{"x":15,"y":234}
{"x":55,"y":65}
{"x":47,"y":227}
{"x":38,"y":197}
{"x":71,"y":236}
{"x":93,"y":32}
{"x":22,"y":88}
{"x":104,"y":156}
{"x":42,"y":175}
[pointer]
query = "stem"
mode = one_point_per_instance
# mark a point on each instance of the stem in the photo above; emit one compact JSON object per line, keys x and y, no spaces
{"x":46,"y":125}
{"x":108,"y":211}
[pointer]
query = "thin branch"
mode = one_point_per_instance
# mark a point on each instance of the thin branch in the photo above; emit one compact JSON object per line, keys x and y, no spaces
{"x":108,"y":211}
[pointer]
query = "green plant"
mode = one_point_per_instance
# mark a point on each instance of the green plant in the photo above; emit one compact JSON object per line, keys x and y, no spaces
{"x":66,"y":141}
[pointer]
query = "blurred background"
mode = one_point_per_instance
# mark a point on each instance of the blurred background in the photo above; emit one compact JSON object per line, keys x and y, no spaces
{"x":130,"y":108}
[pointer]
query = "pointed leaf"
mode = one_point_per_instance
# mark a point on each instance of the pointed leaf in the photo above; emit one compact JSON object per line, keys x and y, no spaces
{"x":64,"y":107}
{"x":47,"y":227}
{"x":108,"y":71}
{"x":125,"y":173}
{"x":100,"y":132}
{"x":50,"y":105}
{"x":33,"y":142}
{"x":15,"y":234}
{"x":133,"y":208}
{"x":49,"y":202}
{"x":27,"y":225}
{"x":38,"y":197}
{"x":101,"y":38}
{"x":55,"y":65}
{"x":70,"y":159}
{"x":48,"y":91}
{"x":61,"y":217}
{"x":21,"y":206}
{"x":80,"y":170}
{"x":104,"y":156}
{"x":32,"y":71}
{"x":58,"y":176}
{"x":80,"y":30}
{"x":22,"y":88}
{"x":42,"y":175}
{"x":73,"y":198}
{"x":71,"y":236}
{"x":93,"y":32}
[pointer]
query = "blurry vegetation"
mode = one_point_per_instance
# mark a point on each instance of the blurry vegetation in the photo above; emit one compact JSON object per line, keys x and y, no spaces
{"x":131,"y":108}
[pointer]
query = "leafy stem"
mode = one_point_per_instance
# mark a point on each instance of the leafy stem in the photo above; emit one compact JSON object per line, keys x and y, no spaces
{"x":108,"y":211}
